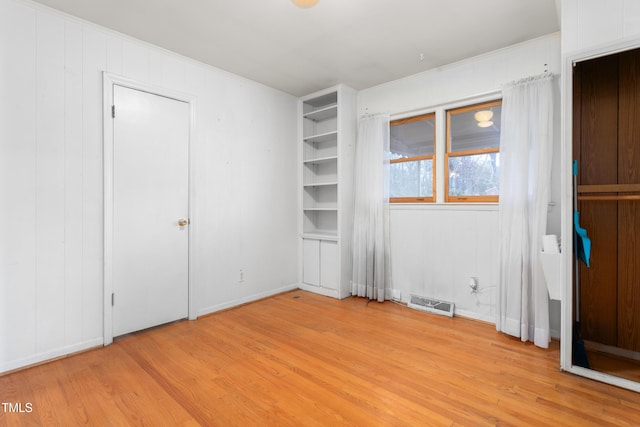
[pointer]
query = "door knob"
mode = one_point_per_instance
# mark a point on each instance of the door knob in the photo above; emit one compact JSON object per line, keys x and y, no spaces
{"x":182,"y":222}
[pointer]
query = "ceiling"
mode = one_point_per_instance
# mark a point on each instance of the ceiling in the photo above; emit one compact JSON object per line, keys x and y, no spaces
{"x":361,"y":43}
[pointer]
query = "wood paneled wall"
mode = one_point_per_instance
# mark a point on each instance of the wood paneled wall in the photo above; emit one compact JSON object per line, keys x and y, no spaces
{"x":593,"y":24}
{"x":51,"y":179}
{"x":435,"y":249}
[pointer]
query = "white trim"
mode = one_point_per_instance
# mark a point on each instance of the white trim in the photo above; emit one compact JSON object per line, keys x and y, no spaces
{"x":440,"y":112}
{"x":566,"y":321}
{"x":605,"y":50}
{"x":327,"y":292}
{"x":466,"y":101}
{"x":255,"y":297}
{"x":469,"y":207}
{"x":109,"y":81}
{"x":605,"y":378}
{"x":487,"y":318}
{"x":47,"y":356}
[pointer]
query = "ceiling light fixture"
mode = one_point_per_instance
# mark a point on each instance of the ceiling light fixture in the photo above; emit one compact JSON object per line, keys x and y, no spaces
{"x":483,"y":118}
{"x":305,"y":4}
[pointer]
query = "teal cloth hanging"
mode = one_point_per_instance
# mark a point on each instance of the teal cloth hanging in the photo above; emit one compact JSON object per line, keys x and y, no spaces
{"x":583,"y":243}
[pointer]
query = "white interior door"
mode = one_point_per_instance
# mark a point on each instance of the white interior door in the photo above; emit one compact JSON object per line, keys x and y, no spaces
{"x":150,"y":198}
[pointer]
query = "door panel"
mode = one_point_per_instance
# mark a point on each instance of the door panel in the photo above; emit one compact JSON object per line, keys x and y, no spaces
{"x":629,"y":276}
{"x":150,"y":194}
{"x":598,"y":162}
{"x":311,"y":263}
{"x":607,"y":113}
{"x":629,"y":211}
{"x":329,"y":264}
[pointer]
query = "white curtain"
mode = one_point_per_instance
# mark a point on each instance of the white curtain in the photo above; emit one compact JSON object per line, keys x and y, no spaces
{"x":526,"y":145}
{"x":370,"y":247}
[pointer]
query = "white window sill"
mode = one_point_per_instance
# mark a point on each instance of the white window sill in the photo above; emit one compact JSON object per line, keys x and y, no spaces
{"x":444,"y":206}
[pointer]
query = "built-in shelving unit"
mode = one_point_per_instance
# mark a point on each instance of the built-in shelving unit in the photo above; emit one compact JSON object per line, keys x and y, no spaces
{"x":327,"y":142}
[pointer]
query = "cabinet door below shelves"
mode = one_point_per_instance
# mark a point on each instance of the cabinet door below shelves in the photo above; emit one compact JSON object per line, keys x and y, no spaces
{"x":320,"y":263}
{"x":311,"y":265}
{"x":329,"y":264}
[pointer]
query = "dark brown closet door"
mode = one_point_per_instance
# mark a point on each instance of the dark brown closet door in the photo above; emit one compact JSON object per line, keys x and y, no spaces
{"x":629,"y":210}
{"x":598,"y":164}
{"x":607,"y":145}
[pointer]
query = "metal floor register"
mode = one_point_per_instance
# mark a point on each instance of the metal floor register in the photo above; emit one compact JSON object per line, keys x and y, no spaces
{"x":444,"y":308}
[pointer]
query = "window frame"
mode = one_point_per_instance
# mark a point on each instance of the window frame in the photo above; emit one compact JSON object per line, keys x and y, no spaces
{"x":431,"y":157}
{"x":448,"y":153}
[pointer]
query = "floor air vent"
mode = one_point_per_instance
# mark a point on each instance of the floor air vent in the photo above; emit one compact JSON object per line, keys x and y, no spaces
{"x":429,"y":305}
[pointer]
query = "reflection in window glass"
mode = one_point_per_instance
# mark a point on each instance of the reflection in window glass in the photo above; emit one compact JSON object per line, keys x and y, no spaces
{"x":466,"y":133}
{"x":412,"y":179}
{"x":412,"y":139}
{"x":473,"y":153}
{"x":476,"y":175}
{"x":412,"y":148}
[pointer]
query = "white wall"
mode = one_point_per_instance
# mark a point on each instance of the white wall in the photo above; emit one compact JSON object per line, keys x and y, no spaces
{"x":590,"y":24}
{"x":51,"y":175}
{"x":437,"y":248}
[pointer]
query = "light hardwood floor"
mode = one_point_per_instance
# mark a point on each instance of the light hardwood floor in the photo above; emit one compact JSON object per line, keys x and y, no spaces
{"x":299,"y":359}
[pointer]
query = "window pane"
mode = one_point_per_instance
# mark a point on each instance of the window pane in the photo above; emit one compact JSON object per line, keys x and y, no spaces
{"x":412,"y":139}
{"x":476,"y":175}
{"x":467,"y":131}
{"x":412,"y":179}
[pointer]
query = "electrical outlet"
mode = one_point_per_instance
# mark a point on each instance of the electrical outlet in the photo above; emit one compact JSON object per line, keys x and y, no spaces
{"x":473,"y":284}
{"x":241,"y":276}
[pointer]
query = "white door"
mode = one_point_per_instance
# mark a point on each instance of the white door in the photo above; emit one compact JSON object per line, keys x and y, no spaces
{"x":150,"y":200}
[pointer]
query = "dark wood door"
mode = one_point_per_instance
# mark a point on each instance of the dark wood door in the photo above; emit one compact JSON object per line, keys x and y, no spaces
{"x":607,"y":146}
{"x":629,"y":210}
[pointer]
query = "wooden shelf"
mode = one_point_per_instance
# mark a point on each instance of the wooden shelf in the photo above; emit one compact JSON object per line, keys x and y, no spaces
{"x":327,"y":126}
{"x":321,"y":184}
{"x":324,"y":113}
{"x":323,"y":137}
{"x":321,"y":160}
{"x":628,"y":197}
{"x":321,"y":235}
{"x":609,"y":188}
{"x":598,"y":190}
{"x":321,"y":101}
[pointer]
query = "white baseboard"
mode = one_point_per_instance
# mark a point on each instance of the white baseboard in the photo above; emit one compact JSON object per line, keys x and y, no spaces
{"x":318,"y":290}
{"x":50,"y":355}
{"x":475,"y":316}
{"x":229,"y":304}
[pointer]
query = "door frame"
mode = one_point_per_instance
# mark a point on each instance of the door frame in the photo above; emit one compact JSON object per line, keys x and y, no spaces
{"x":566,"y":328}
{"x":109,"y":81}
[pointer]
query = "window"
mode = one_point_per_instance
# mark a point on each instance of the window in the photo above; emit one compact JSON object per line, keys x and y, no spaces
{"x":472,"y":159}
{"x":412,"y":168}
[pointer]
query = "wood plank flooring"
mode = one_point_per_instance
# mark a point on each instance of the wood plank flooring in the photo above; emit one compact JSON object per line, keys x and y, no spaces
{"x":614,"y":365}
{"x":300,"y":359}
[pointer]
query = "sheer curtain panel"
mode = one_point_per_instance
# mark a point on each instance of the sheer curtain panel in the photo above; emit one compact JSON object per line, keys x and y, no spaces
{"x":370,"y":246}
{"x":526,"y":145}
